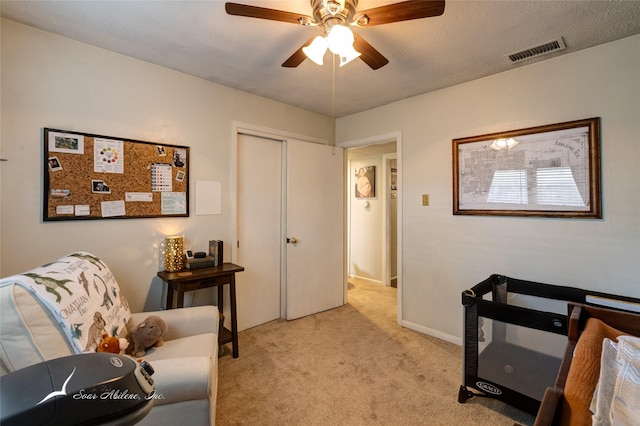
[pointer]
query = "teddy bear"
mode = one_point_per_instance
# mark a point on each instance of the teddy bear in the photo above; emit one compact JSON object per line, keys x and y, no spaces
{"x":146,"y":335}
{"x":112,"y":344}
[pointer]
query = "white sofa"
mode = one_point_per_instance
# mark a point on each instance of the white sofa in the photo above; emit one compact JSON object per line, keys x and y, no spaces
{"x":186,"y":366}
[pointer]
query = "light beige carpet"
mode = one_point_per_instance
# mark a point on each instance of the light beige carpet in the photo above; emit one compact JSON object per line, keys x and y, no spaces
{"x":353,"y":365}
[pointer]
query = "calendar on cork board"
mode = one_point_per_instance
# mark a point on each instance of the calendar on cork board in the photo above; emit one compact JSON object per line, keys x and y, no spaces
{"x":89,"y":176}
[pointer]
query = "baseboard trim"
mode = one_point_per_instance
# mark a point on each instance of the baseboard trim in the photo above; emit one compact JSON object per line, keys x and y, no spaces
{"x":431,"y":332}
{"x":372,"y":281}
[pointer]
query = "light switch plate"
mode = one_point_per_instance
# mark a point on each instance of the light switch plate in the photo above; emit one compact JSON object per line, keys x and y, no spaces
{"x":425,"y":199}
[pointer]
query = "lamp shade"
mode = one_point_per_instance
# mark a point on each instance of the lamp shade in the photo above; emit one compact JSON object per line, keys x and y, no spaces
{"x":340,"y":39}
{"x":348,"y":55}
{"x":173,"y":253}
{"x":316,"y":50}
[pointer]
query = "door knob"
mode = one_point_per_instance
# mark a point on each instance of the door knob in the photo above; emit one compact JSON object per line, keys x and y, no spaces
{"x":292,"y":240}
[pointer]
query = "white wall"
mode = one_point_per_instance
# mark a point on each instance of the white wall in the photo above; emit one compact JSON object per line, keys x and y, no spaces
{"x":51,"y":81}
{"x":445,"y":254}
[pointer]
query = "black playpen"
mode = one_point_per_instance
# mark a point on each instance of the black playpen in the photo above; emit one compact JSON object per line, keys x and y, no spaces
{"x":515,"y":336}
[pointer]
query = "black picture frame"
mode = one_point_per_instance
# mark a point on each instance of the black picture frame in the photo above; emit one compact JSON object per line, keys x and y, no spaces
{"x":89,"y":176}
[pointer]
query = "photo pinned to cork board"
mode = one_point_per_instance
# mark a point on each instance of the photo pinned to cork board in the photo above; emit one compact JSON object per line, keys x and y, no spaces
{"x":88,"y":176}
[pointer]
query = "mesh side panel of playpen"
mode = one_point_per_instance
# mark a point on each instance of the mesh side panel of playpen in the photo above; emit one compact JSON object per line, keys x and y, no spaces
{"x":518,"y":358}
{"x":515,"y":335}
{"x":512,"y":351}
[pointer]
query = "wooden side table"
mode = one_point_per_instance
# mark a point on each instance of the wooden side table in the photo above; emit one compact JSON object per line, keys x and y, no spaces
{"x":218,"y":276}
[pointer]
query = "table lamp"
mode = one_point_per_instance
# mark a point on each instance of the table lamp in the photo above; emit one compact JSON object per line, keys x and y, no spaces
{"x":173,"y":253}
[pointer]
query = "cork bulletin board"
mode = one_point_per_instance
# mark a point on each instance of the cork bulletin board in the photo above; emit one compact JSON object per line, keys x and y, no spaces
{"x":90,"y":176}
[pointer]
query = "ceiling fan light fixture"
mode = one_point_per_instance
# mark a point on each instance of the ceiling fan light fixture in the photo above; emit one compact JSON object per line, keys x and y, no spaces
{"x":333,"y":16}
{"x":316,"y":50}
{"x":340,"y":39}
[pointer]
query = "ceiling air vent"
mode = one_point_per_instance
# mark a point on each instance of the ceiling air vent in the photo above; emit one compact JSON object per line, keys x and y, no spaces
{"x":542,"y":49}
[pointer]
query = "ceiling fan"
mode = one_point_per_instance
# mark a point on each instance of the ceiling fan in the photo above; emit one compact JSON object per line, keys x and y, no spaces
{"x":334,"y":17}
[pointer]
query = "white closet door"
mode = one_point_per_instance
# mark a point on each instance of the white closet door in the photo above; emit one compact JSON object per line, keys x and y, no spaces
{"x":315,"y":219}
{"x":259,"y":230}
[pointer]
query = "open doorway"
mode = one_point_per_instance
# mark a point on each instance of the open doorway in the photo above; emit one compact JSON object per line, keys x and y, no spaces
{"x":390,"y":177}
{"x":373,"y":248}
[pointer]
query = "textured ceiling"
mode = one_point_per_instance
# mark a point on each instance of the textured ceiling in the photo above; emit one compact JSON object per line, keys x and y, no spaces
{"x":469,"y":41}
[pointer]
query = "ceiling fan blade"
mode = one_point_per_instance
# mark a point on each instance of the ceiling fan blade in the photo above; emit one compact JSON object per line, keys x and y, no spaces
{"x":265,"y":13}
{"x":298,"y":56}
{"x":403,"y":11}
{"x":368,"y":53}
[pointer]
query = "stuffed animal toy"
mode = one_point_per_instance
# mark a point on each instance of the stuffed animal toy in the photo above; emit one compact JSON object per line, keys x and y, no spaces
{"x":112,"y":344}
{"x":146,"y":335}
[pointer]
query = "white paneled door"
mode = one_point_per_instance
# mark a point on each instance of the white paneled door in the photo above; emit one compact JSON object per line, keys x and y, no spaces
{"x":288,"y":190}
{"x":259,"y":230}
{"x":315,"y":218}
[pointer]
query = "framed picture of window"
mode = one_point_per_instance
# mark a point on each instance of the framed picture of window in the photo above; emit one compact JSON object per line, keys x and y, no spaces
{"x":544,"y":171}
